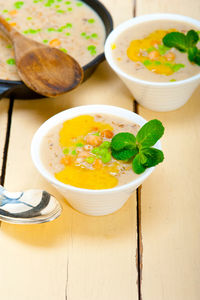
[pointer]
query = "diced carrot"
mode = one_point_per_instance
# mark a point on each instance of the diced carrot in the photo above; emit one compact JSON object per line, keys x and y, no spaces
{"x":67,"y":160}
{"x":13,"y":24}
{"x":55,"y":43}
{"x":107,"y":133}
{"x":13,"y":12}
{"x":97,"y":164}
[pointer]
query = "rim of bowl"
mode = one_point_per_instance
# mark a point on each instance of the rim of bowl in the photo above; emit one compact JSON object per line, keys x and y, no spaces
{"x":74,"y":112}
{"x":144,"y":19}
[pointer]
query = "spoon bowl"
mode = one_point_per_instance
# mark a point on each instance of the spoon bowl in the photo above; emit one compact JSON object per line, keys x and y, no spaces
{"x":28,"y":207}
{"x":46,"y":70}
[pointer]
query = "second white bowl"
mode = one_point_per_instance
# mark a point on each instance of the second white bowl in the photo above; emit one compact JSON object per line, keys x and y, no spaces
{"x":157,"y":96}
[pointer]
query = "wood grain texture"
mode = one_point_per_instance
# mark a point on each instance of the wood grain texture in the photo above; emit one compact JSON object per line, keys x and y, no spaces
{"x":74,"y":257}
{"x":170,"y":206}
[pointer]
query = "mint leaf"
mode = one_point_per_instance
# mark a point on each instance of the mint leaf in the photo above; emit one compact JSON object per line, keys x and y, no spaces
{"x":192,"y":52}
{"x":197,"y":58}
{"x":124,"y":154}
{"x":192,"y":38}
{"x":123,"y":140}
{"x":150,"y":133}
{"x":176,"y":40}
{"x":137,"y":166}
{"x":153,"y":157}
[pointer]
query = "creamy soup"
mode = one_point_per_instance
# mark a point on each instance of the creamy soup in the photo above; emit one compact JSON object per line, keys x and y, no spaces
{"x":77,"y":152}
{"x":139,"y":52}
{"x":71,"y":26}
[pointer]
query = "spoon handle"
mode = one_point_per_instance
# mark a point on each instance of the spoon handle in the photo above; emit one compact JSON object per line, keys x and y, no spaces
{"x":7,"y":29}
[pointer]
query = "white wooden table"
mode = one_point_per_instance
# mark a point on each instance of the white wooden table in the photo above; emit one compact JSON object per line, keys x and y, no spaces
{"x":150,"y":248}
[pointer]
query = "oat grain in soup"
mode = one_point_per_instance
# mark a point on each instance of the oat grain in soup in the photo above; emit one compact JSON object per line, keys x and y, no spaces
{"x":77,"y":152}
{"x":140,"y":52}
{"x":71,"y":26}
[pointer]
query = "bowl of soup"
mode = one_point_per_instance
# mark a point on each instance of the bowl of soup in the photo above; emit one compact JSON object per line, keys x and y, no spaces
{"x":70,"y":150}
{"x":78,"y":28}
{"x":160,"y":78}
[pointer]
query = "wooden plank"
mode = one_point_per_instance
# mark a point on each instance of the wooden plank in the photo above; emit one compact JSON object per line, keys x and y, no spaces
{"x":4,"y":106}
{"x":170,"y":204}
{"x":76,"y":256}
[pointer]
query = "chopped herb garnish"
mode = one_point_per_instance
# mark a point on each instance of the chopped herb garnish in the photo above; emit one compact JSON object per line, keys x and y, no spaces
{"x":73,"y":152}
{"x":68,"y":2}
{"x":29,"y":18}
{"x":68,"y":25}
{"x":91,"y":21}
{"x":125,"y":146}
{"x":83,"y":34}
{"x":172,"y":80}
{"x":92,"y":49}
{"x":65,"y":151}
{"x":9,"y":46}
{"x":45,"y":41}
{"x":69,"y":8}
{"x":79,"y":3}
{"x":18,"y":4}
{"x":11,"y":61}
{"x":147,"y":62}
{"x":90,"y":159}
{"x":63,"y":50}
{"x":60,"y":11}
{"x":94,"y":35}
{"x":5,"y":11}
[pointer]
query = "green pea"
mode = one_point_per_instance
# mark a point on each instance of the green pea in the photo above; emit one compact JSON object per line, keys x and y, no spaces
{"x":94,"y":35}
{"x":105,"y":144}
{"x":91,"y":21}
{"x":65,"y":151}
{"x":73,"y":152}
{"x":60,"y":11}
{"x":147,"y":62}
{"x":11,"y":61}
{"x":68,"y":25}
{"x":79,"y":3}
{"x":90,"y":159}
{"x":95,"y":150}
{"x":79,"y":145}
{"x":63,"y":50}
{"x":106,"y":158}
{"x":18,"y":4}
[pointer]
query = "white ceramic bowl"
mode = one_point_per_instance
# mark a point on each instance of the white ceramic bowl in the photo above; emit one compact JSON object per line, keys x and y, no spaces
{"x":158,"y":96}
{"x":91,"y":202}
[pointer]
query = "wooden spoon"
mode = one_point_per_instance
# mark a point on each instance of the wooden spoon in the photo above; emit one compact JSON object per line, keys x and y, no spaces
{"x":48,"y":71}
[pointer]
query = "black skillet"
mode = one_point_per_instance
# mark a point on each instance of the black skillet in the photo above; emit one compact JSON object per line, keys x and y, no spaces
{"x":18,"y":90}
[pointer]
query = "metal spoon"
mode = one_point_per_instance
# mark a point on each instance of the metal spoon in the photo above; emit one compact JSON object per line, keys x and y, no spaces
{"x":28,"y":207}
{"x":46,"y":70}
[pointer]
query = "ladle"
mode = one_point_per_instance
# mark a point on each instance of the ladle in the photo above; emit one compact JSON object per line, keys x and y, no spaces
{"x":46,"y":70}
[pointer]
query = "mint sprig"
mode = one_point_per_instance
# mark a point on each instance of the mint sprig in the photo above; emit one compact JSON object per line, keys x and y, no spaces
{"x":125,"y":146}
{"x":184,"y":43}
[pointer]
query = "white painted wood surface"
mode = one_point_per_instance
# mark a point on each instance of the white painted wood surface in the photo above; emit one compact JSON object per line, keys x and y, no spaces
{"x":74,"y":257}
{"x":170,"y":206}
